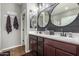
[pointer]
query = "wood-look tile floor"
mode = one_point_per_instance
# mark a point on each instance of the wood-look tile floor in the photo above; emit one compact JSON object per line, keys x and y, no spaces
{"x":19,"y":51}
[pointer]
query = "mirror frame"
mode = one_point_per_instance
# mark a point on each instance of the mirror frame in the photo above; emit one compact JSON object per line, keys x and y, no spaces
{"x":68,"y":24}
{"x":39,"y":16}
{"x":31,"y":20}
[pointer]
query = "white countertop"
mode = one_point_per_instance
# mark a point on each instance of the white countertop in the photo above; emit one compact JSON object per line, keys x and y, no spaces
{"x":74,"y":40}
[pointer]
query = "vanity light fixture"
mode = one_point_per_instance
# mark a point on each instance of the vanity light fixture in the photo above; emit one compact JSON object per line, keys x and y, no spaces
{"x":66,"y":8}
{"x":35,"y":9}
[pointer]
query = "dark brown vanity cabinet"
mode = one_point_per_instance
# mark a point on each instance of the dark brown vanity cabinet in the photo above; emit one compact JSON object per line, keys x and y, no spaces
{"x":41,"y":46}
{"x":59,"y":48}
{"x":33,"y":44}
{"x":49,"y":51}
{"x":62,"y":53}
{"x":36,"y":45}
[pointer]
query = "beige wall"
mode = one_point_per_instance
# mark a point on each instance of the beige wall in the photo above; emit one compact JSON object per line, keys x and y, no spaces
{"x":13,"y":38}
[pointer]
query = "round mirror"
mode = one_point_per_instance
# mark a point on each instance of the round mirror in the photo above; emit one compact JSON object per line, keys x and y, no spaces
{"x":64,"y":14}
{"x":43,"y":19}
{"x":33,"y":21}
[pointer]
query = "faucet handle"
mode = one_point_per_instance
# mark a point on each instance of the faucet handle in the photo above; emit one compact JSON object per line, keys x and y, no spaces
{"x":70,"y":34}
{"x":61,"y":34}
{"x":65,"y":34}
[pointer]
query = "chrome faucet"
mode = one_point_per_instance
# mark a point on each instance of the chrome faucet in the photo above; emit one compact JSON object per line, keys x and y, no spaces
{"x":63,"y":33}
{"x":70,"y":34}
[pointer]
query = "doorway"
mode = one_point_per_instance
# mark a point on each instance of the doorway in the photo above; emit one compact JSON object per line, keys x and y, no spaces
{"x":23,"y":28}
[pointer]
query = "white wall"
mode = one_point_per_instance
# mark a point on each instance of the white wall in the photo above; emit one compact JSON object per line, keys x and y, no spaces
{"x":14,"y":37}
{"x":0,"y":26}
{"x":26,"y":30}
{"x":23,"y":7}
{"x":27,"y":26}
{"x":23,"y":11}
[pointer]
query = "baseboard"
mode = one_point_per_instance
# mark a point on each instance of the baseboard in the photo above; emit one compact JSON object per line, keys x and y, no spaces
{"x":6,"y":49}
{"x":27,"y":51}
{"x":0,"y":51}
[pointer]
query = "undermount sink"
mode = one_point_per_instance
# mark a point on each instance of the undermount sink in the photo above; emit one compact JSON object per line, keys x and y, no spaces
{"x":43,"y":32}
{"x":62,"y":38}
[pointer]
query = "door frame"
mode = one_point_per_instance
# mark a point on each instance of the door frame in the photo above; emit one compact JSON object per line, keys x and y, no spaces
{"x":24,"y":11}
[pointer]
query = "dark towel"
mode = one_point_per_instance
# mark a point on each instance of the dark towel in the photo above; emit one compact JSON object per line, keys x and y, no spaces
{"x":7,"y":53}
{"x":15,"y":24}
{"x":8,"y":24}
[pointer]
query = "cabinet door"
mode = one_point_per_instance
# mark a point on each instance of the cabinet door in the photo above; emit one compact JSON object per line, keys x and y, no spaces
{"x":62,"y":53}
{"x":48,"y":50}
{"x":30,"y":43}
{"x":33,"y":44}
{"x":40,"y":46}
{"x":52,"y":51}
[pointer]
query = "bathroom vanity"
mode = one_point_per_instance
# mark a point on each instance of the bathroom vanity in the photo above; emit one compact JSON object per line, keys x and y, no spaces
{"x":62,"y":18}
{"x":49,"y":45}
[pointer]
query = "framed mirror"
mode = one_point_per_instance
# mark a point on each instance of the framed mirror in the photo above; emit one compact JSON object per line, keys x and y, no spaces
{"x":64,"y":14}
{"x":33,"y":21}
{"x":43,"y":19}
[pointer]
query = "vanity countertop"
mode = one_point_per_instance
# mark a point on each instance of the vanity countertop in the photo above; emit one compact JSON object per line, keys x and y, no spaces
{"x":74,"y":40}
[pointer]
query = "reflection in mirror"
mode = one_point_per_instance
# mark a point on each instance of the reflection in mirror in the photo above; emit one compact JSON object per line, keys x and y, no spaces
{"x":43,"y":19}
{"x":64,"y":14}
{"x":33,"y":21}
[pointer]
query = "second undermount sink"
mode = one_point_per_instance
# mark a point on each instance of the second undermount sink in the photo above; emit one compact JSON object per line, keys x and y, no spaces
{"x":66,"y":39}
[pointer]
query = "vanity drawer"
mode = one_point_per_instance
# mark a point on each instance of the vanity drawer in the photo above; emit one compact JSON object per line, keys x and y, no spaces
{"x":61,"y":45}
{"x":40,"y":39}
{"x":33,"y":37}
{"x":62,"y":53}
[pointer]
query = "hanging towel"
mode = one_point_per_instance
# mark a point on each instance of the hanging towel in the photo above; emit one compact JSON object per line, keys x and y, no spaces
{"x":15,"y":24}
{"x":8,"y":24}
